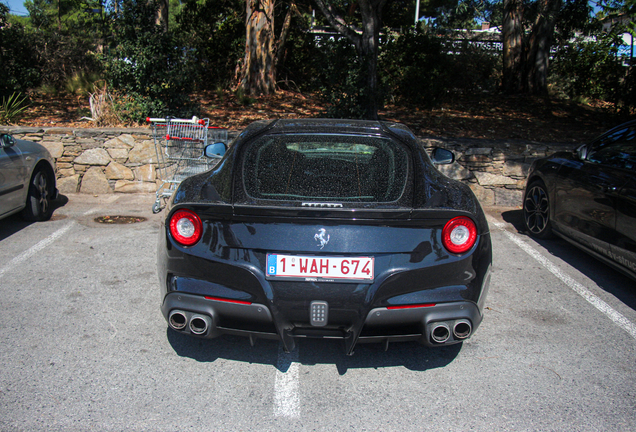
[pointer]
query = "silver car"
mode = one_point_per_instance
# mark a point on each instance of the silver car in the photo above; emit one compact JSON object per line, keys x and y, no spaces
{"x":27,"y":179}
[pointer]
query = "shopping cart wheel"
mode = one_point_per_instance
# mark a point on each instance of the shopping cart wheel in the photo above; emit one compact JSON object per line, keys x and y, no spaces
{"x":156,"y":207}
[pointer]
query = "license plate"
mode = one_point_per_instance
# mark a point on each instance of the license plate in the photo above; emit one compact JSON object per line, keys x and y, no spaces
{"x":320,"y":268}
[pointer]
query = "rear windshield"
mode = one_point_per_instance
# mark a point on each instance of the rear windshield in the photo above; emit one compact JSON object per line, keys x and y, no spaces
{"x":325,"y":168}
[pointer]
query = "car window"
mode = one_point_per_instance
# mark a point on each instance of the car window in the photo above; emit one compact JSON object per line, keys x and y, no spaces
{"x":617,"y":149}
{"x":325,"y":168}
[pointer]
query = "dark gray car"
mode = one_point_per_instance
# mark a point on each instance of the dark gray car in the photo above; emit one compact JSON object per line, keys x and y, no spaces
{"x":589,"y":198}
{"x":27,"y":179}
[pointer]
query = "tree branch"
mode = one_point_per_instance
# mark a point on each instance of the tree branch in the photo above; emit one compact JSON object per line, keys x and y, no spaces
{"x":340,"y":25}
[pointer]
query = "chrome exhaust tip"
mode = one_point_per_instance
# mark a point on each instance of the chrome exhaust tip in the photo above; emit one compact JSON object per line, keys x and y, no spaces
{"x":198,"y":324}
{"x":177,"y":320}
{"x":440,"y":332}
{"x":462,"y":329}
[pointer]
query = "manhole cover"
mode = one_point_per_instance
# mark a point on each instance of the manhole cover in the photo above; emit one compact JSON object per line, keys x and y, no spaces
{"x":121,"y":220}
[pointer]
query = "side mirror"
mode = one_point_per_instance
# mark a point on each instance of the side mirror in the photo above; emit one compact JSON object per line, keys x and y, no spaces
{"x":6,"y":141}
{"x":581,"y":152}
{"x":216,"y":150}
{"x":442,"y":156}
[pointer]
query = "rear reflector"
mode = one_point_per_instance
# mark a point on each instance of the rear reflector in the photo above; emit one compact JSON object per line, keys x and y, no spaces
{"x":411,"y":306}
{"x":228,"y":300}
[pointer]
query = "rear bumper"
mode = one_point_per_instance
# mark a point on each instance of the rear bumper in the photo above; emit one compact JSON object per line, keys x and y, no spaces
{"x":382,"y":324}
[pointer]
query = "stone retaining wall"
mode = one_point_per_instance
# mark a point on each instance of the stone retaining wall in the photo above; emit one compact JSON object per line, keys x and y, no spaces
{"x":98,"y":161}
{"x":496,"y":170}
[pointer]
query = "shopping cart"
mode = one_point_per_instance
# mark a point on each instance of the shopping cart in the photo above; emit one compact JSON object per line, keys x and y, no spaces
{"x":180,"y":144}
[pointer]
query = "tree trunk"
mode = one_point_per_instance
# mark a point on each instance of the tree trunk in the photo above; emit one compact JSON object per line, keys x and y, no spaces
{"x":280,"y":45}
{"x":162,"y":14}
{"x":538,"y":48}
{"x":370,"y":10}
{"x":512,"y":47}
{"x":258,"y":74}
{"x":366,"y":45}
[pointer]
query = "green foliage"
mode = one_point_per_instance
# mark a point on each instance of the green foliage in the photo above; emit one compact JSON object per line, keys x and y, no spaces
{"x":399,"y":14}
{"x":17,"y":57}
{"x":460,"y":14}
{"x":425,"y":70}
{"x":242,"y":98}
{"x":342,"y":81}
{"x":214,"y":33}
{"x":81,"y":83}
{"x":575,"y":17}
{"x":589,"y":68}
{"x":303,"y":58}
{"x":63,"y":34}
{"x":415,"y":69}
{"x":11,"y":108}
{"x":150,"y":73}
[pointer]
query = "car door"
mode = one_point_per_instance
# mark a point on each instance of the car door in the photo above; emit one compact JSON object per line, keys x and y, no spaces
{"x":587,"y":192}
{"x":624,"y":247}
{"x":12,"y":176}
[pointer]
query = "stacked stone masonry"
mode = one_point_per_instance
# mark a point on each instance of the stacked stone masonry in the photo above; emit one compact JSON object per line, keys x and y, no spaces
{"x":496,"y":170}
{"x":102,"y":161}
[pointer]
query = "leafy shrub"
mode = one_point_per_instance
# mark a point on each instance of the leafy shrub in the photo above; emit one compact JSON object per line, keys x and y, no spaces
{"x":214,"y":32}
{"x":303,"y":60}
{"x":414,"y":68}
{"x":20,"y":66}
{"x":149,"y":72}
{"x":63,"y":37}
{"x":422,"y":69}
{"x":589,"y":68}
{"x":340,"y":78}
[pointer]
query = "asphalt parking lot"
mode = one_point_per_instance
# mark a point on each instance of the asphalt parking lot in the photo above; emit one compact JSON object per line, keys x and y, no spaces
{"x":83,"y":345}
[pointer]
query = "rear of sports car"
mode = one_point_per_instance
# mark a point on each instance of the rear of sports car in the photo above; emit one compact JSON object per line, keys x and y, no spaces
{"x":325,"y":229}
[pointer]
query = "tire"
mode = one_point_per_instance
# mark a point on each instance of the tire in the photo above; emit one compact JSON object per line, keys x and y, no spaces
{"x":536,"y":210}
{"x":38,"y":203}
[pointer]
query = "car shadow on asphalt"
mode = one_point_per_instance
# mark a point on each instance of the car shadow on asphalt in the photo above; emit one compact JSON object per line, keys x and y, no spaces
{"x":310,"y":352}
{"x":15,"y":223}
{"x":610,"y":280}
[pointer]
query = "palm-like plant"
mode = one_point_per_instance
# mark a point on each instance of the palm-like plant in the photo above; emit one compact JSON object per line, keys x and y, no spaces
{"x":11,"y":108}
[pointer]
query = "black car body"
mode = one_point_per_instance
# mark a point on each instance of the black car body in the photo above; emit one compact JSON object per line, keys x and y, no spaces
{"x":588,"y":197}
{"x":360,"y":211}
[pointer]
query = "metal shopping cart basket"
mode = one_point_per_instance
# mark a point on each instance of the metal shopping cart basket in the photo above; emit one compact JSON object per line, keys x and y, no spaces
{"x":180,"y":144}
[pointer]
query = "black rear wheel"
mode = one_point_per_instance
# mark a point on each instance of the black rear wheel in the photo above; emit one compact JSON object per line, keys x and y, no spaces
{"x":536,"y":210}
{"x":38,"y":203}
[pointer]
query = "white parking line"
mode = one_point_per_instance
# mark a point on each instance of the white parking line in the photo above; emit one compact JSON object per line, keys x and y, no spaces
{"x":48,"y":240}
{"x":286,"y":395}
{"x":595,"y":301}
{"x":35,"y":249}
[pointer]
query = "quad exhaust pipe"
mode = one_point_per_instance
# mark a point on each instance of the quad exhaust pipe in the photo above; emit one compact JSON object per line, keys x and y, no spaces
{"x":186,"y":321}
{"x":198,"y":325}
{"x":177,"y":320}
{"x":440,"y":332}
{"x":462,"y":329}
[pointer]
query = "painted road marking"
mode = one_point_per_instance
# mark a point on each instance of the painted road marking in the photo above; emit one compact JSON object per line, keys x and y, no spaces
{"x":16,"y":261}
{"x":618,"y":318}
{"x":286,"y":395}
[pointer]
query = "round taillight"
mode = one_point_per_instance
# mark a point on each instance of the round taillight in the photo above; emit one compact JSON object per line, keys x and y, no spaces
{"x":186,"y":227}
{"x":459,"y":234}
